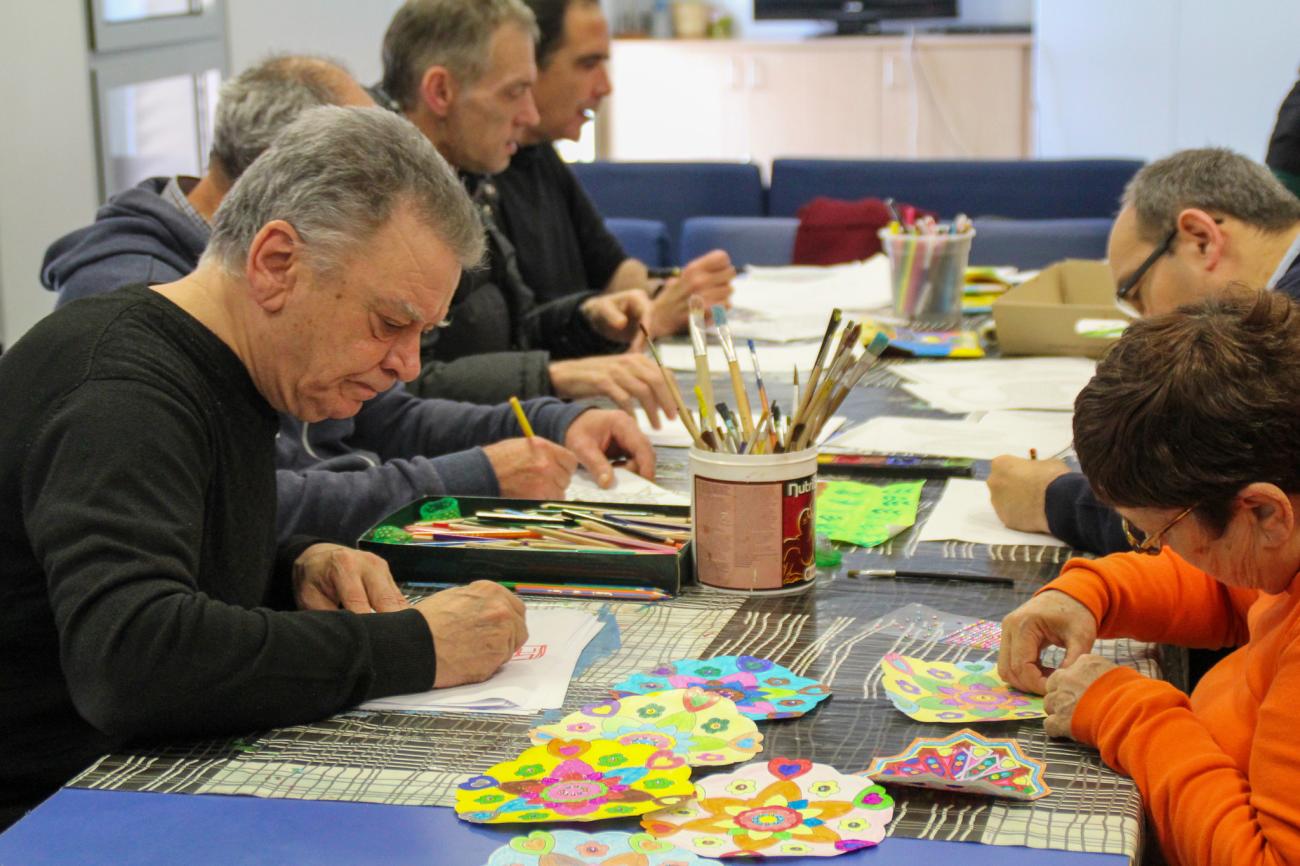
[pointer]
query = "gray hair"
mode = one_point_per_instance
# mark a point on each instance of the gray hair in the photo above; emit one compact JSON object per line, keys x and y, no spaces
{"x":1211,"y":179}
{"x":337,"y":175}
{"x":451,"y":33}
{"x":262,"y":100}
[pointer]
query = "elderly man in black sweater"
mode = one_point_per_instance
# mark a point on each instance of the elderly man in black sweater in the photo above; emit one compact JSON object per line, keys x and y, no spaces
{"x":142,"y":590}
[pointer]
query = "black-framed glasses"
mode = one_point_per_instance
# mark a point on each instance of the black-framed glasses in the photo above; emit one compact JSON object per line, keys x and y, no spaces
{"x":1124,"y":291}
{"x":1152,"y":543}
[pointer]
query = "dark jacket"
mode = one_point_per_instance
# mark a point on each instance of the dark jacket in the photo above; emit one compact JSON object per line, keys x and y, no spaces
{"x":499,"y":341}
{"x":1284,"y":145}
{"x":336,"y":477}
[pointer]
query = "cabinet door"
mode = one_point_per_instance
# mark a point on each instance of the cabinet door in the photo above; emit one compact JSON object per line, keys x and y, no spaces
{"x":812,"y":99}
{"x":673,"y":101}
{"x":958,"y":100}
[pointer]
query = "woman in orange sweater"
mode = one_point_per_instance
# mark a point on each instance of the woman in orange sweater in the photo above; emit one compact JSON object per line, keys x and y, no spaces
{"x":1191,"y":429}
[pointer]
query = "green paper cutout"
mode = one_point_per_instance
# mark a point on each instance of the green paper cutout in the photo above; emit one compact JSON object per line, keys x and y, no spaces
{"x":866,"y":514}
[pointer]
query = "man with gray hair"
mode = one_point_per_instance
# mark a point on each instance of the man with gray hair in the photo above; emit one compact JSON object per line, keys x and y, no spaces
{"x":339,"y":476}
{"x":144,"y":592}
{"x":463,"y":71}
{"x":1198,"y":224}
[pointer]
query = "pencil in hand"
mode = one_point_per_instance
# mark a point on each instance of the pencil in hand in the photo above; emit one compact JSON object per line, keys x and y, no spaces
{"x":521,"y":417}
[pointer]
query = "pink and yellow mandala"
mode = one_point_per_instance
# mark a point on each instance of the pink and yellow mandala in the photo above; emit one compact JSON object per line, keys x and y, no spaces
{"x":782,"y":808}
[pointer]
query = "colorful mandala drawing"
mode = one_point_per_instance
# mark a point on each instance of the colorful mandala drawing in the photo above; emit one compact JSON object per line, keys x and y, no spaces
{"x":760,"y":689}
{"x":783,"y":808}
{"x":571,"y":848}
{"x":965,"y":761}
{"x":703,"y":727}
{"x":575,"y":780}
{"x":947,"y":692}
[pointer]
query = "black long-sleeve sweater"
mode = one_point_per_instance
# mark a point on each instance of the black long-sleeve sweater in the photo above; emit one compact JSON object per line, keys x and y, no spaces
{"x":142,"y":593}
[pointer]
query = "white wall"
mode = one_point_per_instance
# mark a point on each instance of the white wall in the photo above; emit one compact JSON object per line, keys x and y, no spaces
{"x":47,"y":150}
{"x":1118,"y":77}
{"x":347,"y":30}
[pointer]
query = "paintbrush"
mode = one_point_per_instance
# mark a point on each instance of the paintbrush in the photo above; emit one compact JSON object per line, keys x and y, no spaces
{"x":733,"y":365}
{"x":703,"y":375}
{"x":671,"y":381}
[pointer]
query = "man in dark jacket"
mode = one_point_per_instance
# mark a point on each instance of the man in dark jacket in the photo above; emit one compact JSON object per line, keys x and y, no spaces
{"x":337,"y":477}
{"x":560,"y":237}
{"x":1198,"y":224}
{"x":463,"y":71}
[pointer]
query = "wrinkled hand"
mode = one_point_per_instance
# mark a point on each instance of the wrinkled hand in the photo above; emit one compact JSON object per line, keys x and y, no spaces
{"x":1018,"y":488}
{"x":531,"y":468}
{"x":329,"y":576}
{"x":1066,"y":687}
{"x":707,"y":278}
{"x":597,"y":435}
{"x":626,"y":379}
{"x":1048,"y":619}
{"x":476,"y":629}
{"x":617,"y":316}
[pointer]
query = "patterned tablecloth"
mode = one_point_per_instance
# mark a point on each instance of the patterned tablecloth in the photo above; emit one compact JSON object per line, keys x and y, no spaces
{"x":837,"y":633}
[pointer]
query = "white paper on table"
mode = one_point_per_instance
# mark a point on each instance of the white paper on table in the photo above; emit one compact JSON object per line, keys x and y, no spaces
{"x":794,"y":304}
{"x":976,"y":372}
{"x":536,"y":679}
{"x":628,"y":488}
{"x":965,"y":513}
{"x":673,"y":435}
{"x":1045,"y":384}
{"x":775,"y":359}
{"x":1049,"y":433}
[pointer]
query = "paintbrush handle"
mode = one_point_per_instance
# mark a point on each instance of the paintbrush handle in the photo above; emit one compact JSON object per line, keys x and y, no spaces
{"x":704,"y":381}
{"x":742,"y":400}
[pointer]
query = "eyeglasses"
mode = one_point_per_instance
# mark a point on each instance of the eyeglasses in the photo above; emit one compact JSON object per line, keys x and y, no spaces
{"x":1151,"y":544}
{"x":1124,"y":291}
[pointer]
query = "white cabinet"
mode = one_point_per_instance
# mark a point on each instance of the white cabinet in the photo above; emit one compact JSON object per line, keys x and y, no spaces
{"x":936,"y":96}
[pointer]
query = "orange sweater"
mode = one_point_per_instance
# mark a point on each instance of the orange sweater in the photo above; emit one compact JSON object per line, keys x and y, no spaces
{"x":1220,"y":771}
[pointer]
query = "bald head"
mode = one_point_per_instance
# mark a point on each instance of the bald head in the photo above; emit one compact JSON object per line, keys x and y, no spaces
{"x":256,"y":105}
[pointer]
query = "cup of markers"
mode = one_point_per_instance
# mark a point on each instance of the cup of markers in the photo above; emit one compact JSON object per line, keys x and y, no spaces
{"x":927,"y":262}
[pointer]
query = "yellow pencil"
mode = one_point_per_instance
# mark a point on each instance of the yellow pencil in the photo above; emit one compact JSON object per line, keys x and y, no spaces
{"x":523,"y":419}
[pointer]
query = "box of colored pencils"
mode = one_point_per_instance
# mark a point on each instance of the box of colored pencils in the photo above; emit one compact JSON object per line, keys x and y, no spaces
{"x":466,"y":538}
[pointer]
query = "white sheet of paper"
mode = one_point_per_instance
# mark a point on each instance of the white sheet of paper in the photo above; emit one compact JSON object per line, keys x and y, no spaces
{"x":628,"y":487}
{"x":965,"y":513}
{"x":793,"y":304}
{"x":1045,"y":384}
{"x":672,"y":434}
{"x":536,"y":679}
{"x":777,"y":359}
{"x":995,"y":433}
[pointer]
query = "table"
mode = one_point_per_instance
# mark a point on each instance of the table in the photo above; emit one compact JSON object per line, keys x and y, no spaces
{"x":835,"y":632}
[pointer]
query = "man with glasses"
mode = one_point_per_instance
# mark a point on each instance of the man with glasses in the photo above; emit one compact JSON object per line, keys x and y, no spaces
{"x":1195,"y":225}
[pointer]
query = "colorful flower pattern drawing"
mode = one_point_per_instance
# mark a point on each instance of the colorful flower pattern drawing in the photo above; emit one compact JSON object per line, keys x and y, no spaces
{"x":571,"y":848}
{"x":575,"y":780}
{"x":783,"y":808}
{"x":759,"y":688}
{"x":703,"y":727}
{"x":961,"y":692}
{"x":967,"y":762}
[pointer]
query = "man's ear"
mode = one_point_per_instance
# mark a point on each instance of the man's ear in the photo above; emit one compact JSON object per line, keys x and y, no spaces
{"x":1271,"y":510}
{"x":438,"y":90}
{"x":275,"y":265}
{"x":1201,"y":237}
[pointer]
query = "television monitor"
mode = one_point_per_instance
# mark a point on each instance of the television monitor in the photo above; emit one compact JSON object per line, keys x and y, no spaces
{"x":854,"y":16}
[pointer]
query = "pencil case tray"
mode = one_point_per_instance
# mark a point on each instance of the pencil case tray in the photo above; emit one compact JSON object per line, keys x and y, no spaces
{"x":409,"y":562}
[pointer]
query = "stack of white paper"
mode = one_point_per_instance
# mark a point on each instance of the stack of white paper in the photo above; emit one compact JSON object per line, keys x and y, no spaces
{"x":794,"y":303}
{"x":775,"y":359}
{"x":536,"y":679}
{"x":1012,"y":383}
{"x":965,"y":513}
{"x":628,"y":488}
{"x":1049,"y":433}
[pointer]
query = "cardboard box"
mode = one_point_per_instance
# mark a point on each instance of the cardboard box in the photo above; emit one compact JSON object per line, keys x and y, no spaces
{"x":1068,"y":309}
{"x":668,"y":572}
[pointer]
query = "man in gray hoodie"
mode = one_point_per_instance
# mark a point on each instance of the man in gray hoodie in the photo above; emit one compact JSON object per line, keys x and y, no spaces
{"x":336,"y":477}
